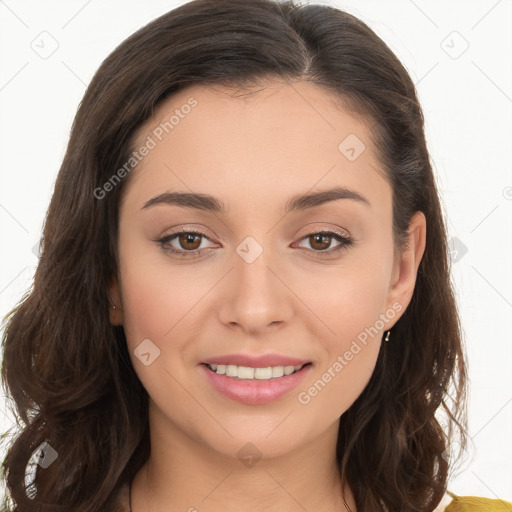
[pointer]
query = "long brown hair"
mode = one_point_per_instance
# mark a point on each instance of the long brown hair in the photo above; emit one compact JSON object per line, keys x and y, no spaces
{"x":68,"y":369}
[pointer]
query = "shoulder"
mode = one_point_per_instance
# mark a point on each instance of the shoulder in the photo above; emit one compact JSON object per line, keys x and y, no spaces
{"x":453,"y":503}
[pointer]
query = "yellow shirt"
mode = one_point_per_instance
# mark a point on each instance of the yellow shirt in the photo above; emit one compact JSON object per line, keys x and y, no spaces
{"x":475,"y":504}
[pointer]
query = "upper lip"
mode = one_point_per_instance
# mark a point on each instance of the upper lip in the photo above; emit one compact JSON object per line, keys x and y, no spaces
{"x":262,"y":361}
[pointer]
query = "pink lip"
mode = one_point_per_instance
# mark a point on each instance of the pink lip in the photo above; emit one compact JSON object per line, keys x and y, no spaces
{"x":255,"y":391}
{"x":256,"y":361}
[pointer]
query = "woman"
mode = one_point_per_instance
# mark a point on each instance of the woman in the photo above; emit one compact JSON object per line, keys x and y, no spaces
{"x":243,"y":296}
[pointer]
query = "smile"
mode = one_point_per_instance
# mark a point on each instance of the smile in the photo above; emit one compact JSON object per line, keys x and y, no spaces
{"x":250,"y":385}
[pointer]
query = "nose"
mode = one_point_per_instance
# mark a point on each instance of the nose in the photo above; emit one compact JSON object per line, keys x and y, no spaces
{"x":256,"y":297}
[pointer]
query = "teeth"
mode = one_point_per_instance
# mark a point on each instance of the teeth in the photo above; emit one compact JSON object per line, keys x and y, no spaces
{"x":277,"y":371}
{"x":244,"y":372}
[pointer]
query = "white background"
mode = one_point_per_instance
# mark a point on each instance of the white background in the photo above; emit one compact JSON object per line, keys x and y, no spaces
{"x":467,"y":102}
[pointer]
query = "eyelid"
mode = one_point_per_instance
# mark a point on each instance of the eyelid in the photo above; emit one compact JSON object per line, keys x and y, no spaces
{"x":185,"y":229}
{"x":316,"y":228}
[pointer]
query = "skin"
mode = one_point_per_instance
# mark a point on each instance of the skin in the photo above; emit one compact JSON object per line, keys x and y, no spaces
{"x":253,"y":153}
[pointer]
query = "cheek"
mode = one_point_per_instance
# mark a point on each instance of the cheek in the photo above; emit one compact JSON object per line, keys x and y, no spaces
{"x":350,"y":301}
{"x":156,"y":298}
{"x":157,"y":301}
{"x":351,"y":296}
{"x":352,"y":309}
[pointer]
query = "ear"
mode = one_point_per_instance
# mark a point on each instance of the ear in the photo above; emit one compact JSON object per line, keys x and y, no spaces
{"x":406,"y":264}
{"x":116,"y":315}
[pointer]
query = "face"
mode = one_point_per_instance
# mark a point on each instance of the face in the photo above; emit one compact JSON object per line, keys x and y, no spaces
{"x":317,"y":281}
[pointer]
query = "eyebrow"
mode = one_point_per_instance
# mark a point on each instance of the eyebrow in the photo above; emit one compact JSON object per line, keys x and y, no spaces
{"x":298,"y":202}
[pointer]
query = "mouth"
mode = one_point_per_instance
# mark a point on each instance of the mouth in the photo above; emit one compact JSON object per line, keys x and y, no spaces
{"x":253,"y":373}
{"x":256,"y":385}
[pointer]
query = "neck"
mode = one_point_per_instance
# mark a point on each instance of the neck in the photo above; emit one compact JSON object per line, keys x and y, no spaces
{"x":184,"y":474}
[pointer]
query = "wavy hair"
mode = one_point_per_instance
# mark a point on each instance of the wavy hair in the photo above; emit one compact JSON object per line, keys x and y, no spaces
{"x":68,"y":370}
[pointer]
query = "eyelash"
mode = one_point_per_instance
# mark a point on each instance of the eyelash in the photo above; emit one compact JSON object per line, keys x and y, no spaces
{"x":345,"y":243}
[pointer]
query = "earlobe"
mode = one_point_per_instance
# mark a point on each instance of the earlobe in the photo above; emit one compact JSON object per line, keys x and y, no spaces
{"x":408,"y":262}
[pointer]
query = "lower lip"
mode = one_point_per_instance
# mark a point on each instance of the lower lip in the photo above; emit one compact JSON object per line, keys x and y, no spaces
{"x":255,"y":391}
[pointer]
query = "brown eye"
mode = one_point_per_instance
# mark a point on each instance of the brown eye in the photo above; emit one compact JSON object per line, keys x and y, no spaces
{"x":189,"y":241}
{"x":184,"y":243}
{"x":320,"y":241}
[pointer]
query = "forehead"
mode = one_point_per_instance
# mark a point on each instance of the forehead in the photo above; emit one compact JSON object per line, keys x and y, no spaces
{"x":249,"y":146}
